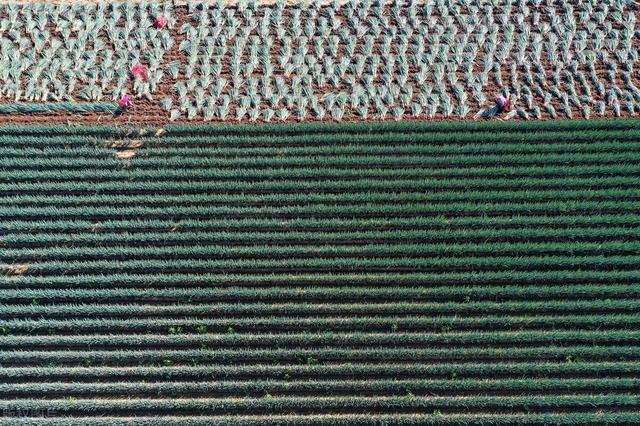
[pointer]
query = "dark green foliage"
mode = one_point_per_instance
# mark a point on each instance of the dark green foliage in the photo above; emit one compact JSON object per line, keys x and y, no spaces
{"x":67,"y":107}
{"x":389,"y":274}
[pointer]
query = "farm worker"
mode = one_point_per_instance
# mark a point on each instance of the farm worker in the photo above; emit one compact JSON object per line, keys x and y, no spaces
{"x":160,"y":22}
{"x":139,"y":71}
{"x":503,"y":104}
{"x":124,"y":102}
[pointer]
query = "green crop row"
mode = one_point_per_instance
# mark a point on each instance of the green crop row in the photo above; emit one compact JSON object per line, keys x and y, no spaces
{"x":313,"y":128}
{"x":233,"y":310}
{"x":462,"y":225}
{"x":447,"y":370}
{"x":118,"y":358}
{"x":332,"y":161}
{"x":166,"y":263}
{"x":619,"y":418}
{"x":320,"y":388}
{"x":326,"y":253}
{"x":89,"y":148}
{"x":325,"y":324}
{"x":416,"y":127}
{"x":327,"y":339}
{"x":331,"y":139}
{"x":325,"y":211}
{"x":342,"y":179}
{"x":323,"y":404}
{"x":135,"y":237}
{"x":311,"y":198}
{"x":318,"y":293}
{"x":209,"y":137}
{"x":409,"y":283}
{"x":51,"y":107}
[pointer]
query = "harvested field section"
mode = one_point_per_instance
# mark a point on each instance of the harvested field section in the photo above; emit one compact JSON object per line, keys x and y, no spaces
{"x":397,"y":274}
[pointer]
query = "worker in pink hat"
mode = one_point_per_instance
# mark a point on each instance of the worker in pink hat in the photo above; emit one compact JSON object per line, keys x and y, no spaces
{"x":124,"y":102}
{"x":503,"y":104}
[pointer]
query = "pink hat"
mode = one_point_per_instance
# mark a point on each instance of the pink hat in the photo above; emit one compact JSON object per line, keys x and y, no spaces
{"x":139,"y":71}
{"x":124,"y":102}
{"x":160,"y":22}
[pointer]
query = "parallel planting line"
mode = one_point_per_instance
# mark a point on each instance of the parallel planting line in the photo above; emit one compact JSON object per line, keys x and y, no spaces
{"x":320,"y":275}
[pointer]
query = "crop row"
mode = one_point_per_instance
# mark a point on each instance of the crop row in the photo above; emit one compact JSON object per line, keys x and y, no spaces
{"x":371,"y":135}
{"x":247,"y":310}
{"x":324,"y":324}
{"x":299,"y":405}
{"x":498,"y":226}
{"x":447,"y":370}
{"x":309,"y":128}
{"x":206,"y":339}
{"x":323,"y":211}
{"x":342,"y":161}
{"x":84,"y":149}
{"x":588,"y":353}
{"x":319,"y":179}
{"x":371,"y":387}
{"x":190,"y":264}
{"x":437,"y":419}
{"x":361,"y":284}
{"x":134,"y":237}
{"x":66,"y":107}
{"x":439,"y":291}
{"x":331,"y":251}
{"x":526,"y":128}
{"x":87,"y":155}
{"x":311,"y":198}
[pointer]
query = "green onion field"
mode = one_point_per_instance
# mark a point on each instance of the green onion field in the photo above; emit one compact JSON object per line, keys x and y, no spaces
{"x":321,"y":274}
